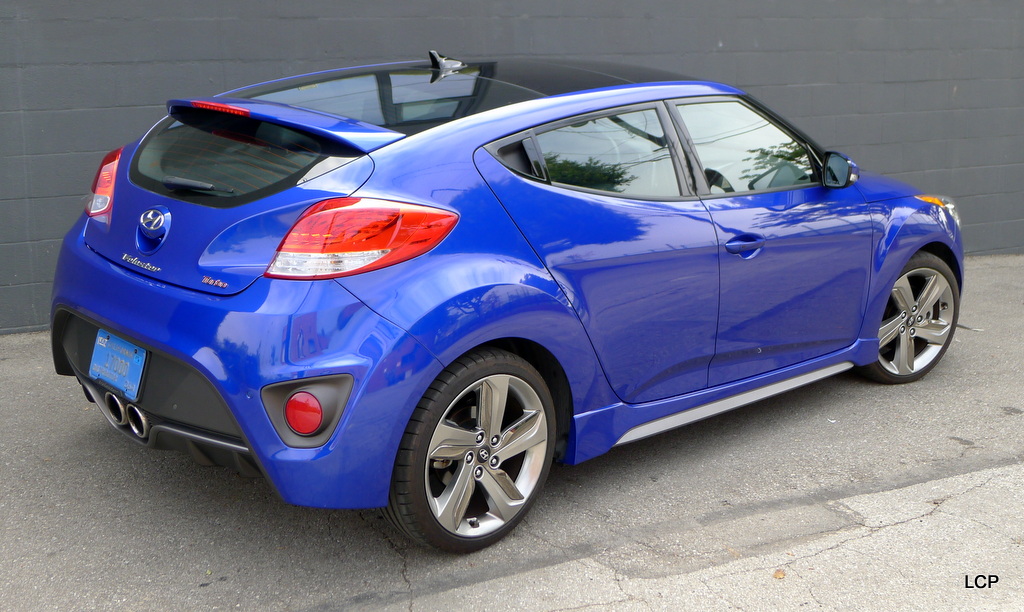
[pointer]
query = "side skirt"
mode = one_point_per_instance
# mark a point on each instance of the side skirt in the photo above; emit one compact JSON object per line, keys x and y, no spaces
{"x":595,"y":432}
{"x":724,"y":405}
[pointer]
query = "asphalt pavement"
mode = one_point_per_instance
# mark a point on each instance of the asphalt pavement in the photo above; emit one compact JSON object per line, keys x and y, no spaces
{"x":842,"y":495}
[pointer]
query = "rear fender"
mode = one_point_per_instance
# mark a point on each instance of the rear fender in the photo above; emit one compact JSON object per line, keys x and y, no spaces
{"x":488,"y":313}
{"x":473,"y":300}
{"x":482,"y":283}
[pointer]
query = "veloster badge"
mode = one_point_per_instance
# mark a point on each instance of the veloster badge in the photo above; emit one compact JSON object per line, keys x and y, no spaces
{"x":135,"y":261}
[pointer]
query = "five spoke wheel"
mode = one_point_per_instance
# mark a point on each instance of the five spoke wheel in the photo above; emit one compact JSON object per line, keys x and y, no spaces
{"x":918,"y":323}
{"x":486,"y":455}
{"x":475,"y":454}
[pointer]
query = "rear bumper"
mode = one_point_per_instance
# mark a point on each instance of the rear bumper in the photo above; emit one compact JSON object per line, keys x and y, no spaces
{"x":212,"y":356}
{"x":180,"y":410}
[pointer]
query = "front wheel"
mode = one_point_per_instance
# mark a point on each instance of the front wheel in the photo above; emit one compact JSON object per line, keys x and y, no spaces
{"x":475,"y":453}
{"x":918,"y":323}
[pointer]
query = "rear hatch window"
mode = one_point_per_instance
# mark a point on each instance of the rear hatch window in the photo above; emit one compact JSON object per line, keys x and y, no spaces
{"x":223,"y":160}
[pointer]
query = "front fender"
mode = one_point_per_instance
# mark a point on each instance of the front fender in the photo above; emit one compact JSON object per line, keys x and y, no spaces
{"x":905,"y":226}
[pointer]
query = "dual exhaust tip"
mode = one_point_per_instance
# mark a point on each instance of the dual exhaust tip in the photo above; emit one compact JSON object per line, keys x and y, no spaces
{"x":122,"y":414}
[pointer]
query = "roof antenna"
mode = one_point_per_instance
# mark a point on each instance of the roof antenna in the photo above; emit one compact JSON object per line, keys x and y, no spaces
{"x":443,"y":66}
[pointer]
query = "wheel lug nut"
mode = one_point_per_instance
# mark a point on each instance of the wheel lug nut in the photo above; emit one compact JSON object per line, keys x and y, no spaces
{"x":470,"y":456}
{"x":903,"y":315}
{"x":478,"y":472}
{"x":495,"y":440}
{"x":495,"y":461}
{"x":480,"y":437}
{"x":903,"y":329}
{"x":913,"y":332}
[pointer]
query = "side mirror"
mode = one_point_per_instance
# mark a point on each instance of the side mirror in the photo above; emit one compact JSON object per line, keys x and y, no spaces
{"x":839,"y":171}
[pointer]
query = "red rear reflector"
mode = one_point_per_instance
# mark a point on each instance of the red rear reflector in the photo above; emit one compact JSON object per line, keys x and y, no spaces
{"x":304,"y":413}
{"x":345,"y":236}
{"x":223,"y":108}
{"x":102,"y":198}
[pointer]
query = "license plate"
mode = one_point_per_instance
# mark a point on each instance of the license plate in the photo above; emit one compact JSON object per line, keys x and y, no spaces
{"x":118,"y":363}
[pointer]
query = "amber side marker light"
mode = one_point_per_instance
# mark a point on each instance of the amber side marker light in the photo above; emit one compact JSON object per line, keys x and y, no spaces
{"x":943,"y":202}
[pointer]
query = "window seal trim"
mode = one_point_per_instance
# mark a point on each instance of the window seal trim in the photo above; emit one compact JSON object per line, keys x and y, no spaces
{"x":703,"y":190}
{"x":676,"y":150}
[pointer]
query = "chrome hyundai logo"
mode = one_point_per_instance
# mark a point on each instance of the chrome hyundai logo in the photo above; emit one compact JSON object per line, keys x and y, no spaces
{"x":152,"y":220}
{"x":153,"y":227}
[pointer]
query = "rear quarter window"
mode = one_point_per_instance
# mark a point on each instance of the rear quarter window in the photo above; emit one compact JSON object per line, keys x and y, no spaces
{"x":625,"y":153}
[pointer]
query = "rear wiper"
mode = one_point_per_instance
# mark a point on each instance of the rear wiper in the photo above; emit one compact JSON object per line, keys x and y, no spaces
{"x":177,"y":182}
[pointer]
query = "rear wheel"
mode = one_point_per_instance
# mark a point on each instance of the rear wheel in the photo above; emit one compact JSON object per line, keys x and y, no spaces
{"x":918,"y":323}
{"x":475,"y":454}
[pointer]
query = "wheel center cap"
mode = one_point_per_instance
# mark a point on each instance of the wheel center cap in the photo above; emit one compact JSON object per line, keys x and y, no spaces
{"x":484,"y":454}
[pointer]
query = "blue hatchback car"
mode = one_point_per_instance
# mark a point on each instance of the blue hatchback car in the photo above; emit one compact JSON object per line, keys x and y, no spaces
{"x":415,"y":285}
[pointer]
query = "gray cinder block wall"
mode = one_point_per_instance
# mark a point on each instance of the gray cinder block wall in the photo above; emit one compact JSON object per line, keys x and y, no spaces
{"x":930,"y":91}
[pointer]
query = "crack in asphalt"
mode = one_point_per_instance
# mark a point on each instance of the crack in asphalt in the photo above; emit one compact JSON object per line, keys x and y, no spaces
{"x":569,"y":557}
{"x":401,"y":550}
{"x":856,"y":528}
{"x":721,"y":596}
{"x":861,"y":531}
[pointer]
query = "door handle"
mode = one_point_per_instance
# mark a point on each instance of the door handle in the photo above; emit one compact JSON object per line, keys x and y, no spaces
{"x":744,"y":243}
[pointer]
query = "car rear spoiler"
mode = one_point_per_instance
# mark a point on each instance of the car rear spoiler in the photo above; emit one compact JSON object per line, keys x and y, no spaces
{"x":351,"y":132}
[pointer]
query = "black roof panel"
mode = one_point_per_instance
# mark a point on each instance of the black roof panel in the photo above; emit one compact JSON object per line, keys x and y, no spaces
{"x":410,"y":97}
{"x":551,"y":76}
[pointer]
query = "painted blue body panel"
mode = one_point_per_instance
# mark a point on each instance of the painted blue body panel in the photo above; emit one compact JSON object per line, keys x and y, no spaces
{"x":898,"y":224}
{"x":357,"y":134}
{"x":232,"y":245}
{"x":641,"y":275}
{"x":639,"y":302}
{"x":273,"y":331}
{"x":597,"y":431}
{"x":482,"y":283}
{"x":905,"y":226}
{"x":802,"y":294}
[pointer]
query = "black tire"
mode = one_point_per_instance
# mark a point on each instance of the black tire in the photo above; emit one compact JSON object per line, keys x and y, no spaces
{"x":461,"y":481}
{"x":918,"y":322}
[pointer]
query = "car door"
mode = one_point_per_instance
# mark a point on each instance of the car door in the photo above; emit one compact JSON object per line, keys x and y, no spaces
{"x":794,"y":254}
{"x":598,"y":198}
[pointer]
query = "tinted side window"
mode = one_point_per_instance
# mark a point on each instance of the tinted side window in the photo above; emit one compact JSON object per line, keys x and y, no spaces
{"x":742,"y":151}
{"x":625,"y":153}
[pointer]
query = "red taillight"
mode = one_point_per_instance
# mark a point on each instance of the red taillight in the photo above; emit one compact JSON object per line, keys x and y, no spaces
{"x":103,"y":185}
{"x":304,"y":413}
{"x":221,"y":107}
{"x":347,"y":236}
